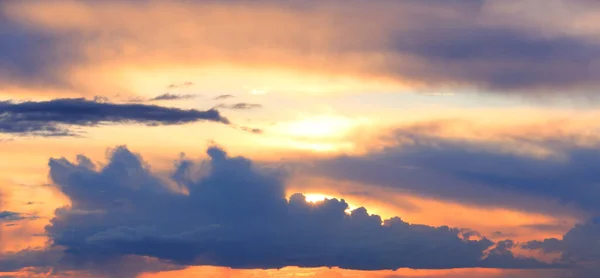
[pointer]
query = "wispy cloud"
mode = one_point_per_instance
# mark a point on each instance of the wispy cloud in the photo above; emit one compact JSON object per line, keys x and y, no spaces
{"x":170,"y":96}
{"x":221,"y":97}
{"x":240,"y":106}
{"x":180,"y":85}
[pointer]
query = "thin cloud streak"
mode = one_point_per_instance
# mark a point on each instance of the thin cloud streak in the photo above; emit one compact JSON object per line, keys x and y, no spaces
{"x":56,"y":117}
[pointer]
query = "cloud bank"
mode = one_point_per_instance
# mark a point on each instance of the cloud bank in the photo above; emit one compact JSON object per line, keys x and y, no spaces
{"x":481,"y":167}
{"x":226,"y":211}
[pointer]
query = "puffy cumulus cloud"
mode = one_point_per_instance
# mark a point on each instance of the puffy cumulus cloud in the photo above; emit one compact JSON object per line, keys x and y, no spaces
{"x":523,"y":170}
{"x":55,"y":117}
{"x":226,"y":211}
{"x":483,"y":44}
{"x":579,"y":245}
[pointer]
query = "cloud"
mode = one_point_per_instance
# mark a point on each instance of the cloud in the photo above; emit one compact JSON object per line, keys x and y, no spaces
{"x":11,"y":216}
{"x":471,"y":44}
{"x":240,"y":106}
{"x":55,"y":117}
{"x":531,"y":170}
{"x":579,"y":245}
{"x":252,"y":130}
{"x":221,"y":97}
{"x":182,"y":85}
{"x":32,"y":57}
{"x":235,"y":214}
{"x":169,"y":96}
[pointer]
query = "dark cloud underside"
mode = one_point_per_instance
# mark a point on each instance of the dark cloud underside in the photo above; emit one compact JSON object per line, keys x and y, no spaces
{"x":54,"y":117}
{"x":477,"y":172}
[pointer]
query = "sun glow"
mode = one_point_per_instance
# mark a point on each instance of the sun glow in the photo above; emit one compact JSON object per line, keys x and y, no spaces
{"x":314,"y":197}
{"x":319,"y":127}
{"x":322,"y":133}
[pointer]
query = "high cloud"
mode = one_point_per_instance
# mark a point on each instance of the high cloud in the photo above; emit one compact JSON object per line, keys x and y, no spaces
{"x":240,"y":106}
{"x":226,"y":211}
{"x":55,"y":117}
{"x":435,"y":44}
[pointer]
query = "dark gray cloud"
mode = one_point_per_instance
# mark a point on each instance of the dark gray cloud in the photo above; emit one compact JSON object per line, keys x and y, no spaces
{"x":10,"y":216}
{"x":579,"y":245}
{"x":236,"y":215}
{"x":477,"y":172}
{"x":170,"y":96}
{"x":32,"y":57}
{"x":55,"y":117}
{"x":240,"y":106}
{"x":54,"y":262}
{"x":497,"y":59}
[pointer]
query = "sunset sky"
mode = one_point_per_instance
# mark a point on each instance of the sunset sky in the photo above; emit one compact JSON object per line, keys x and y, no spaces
{"x":316,"y":138}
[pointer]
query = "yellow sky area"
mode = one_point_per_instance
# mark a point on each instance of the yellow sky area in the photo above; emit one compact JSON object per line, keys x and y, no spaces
{"x":220,"y":272}
{"x":494,"y":129}
{"x":387,"y":203}
{"x":303,"y":135}
{"x":249,"y":79}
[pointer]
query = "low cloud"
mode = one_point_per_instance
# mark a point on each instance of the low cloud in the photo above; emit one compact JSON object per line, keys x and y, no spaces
{"x":579,"y":245}
{"x":236,"y":215}
{"x":57,"y":117}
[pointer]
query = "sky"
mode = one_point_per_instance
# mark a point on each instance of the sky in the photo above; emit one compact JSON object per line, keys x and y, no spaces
{"x":274,"y":138}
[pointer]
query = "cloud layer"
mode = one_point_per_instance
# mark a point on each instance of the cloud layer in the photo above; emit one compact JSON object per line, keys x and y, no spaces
{"x":435,"y":44}
{"x":481,"y":167}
